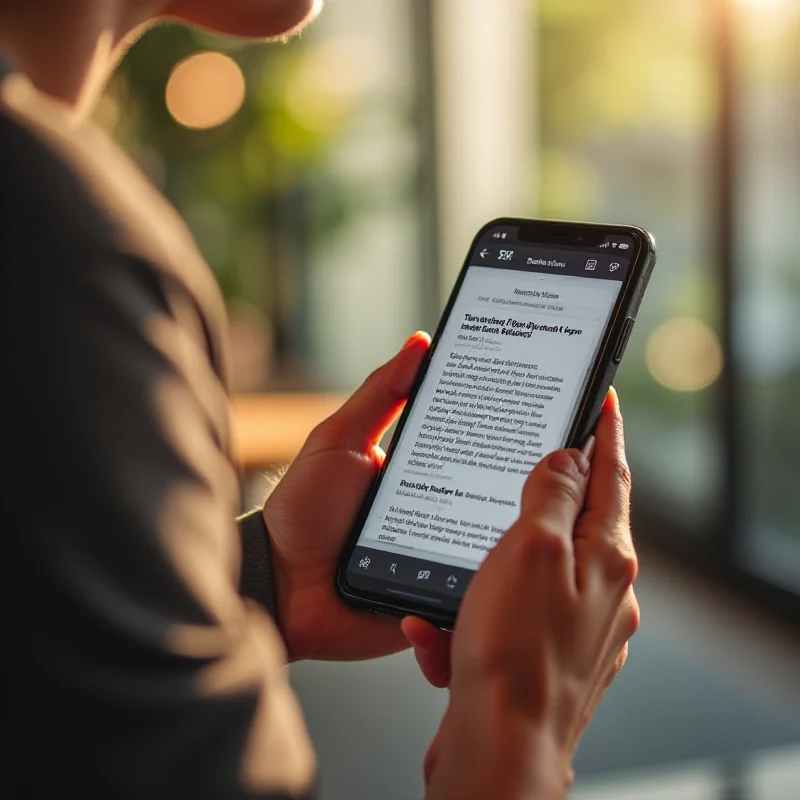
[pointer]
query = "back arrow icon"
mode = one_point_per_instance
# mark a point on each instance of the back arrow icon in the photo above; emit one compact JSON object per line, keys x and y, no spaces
{"x":483,"y":253}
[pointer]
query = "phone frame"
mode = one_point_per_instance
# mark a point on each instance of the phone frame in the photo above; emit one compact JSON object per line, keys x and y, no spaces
{"x":545,"y":233}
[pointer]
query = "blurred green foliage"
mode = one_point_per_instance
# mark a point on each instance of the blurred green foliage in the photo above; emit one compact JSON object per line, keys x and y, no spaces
{"x":228,"y":181}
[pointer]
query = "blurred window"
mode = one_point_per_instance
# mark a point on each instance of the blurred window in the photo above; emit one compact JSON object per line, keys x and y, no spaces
{"x":767,"y":281}
{"x":627,"y":113}
{"x":637,"y":107}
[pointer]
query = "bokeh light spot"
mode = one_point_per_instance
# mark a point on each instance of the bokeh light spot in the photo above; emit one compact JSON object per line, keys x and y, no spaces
{"x":205,"y":90}
{"x":684,"y":354}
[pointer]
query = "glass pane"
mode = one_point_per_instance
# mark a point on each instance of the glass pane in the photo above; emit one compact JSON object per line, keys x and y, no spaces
{"x":768,"y":283}
{"x":627,"y":112}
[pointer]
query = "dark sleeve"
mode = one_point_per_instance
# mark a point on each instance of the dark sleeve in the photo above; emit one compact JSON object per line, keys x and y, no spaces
{"x":135,"y":668}
{"x":256,"y":581}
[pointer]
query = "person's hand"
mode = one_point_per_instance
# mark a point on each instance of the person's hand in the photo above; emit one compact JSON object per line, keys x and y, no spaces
{"x":542,"y":631}
{"x":313,"y":508}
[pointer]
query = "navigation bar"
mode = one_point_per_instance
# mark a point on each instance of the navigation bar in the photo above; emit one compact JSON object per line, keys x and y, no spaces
{"x":552,"y":261}
{"x":407,"y":576}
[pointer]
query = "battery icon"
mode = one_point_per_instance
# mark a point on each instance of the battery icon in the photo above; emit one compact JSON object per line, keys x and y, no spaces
{"x":623,"y":246}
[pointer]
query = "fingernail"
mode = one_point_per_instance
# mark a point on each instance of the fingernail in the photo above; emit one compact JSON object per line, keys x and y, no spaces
{"x":612,"y":400}
{"x":572,"y":463}
{"x":415,"y":337}
{"x":588,"y":447}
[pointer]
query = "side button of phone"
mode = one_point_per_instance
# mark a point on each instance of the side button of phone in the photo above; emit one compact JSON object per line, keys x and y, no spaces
{"x":623,"y":339}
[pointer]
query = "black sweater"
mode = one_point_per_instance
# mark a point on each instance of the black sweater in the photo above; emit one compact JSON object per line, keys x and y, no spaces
{"x":140,"y":665}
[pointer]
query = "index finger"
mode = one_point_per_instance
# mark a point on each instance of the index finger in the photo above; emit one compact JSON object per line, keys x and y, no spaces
{"x":609,"y":492}
{"x":604,"y":525}
{"x":431,"y":649}
{"x":362,"y":421}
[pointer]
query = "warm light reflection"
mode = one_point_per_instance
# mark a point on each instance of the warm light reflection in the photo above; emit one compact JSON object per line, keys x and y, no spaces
{"x":684,"y":354}
{"x":205,"y":90}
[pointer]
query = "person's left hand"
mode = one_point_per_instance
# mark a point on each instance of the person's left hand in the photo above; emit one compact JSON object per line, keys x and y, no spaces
{"x":432,"y":647}
{"x":313,"y":508}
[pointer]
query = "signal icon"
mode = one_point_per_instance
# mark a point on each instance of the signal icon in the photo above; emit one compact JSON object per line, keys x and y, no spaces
{"x":604,"y":245}
{"x":614,"y":245}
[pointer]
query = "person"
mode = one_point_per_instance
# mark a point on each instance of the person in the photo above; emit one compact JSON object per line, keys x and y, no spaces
{"x":147,"y":634}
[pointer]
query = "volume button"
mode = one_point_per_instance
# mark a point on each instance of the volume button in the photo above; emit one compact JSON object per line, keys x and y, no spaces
{"x":619,"y":351}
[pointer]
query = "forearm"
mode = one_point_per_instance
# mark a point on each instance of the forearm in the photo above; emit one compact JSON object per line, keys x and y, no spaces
{"x":489,"y":749}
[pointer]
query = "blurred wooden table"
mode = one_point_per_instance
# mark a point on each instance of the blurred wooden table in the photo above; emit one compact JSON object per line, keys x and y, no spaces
{"x":268,"y":430}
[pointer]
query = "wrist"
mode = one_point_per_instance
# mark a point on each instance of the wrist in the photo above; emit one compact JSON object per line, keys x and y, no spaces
{"x":493,"y":749}
{"x":282,"y":592}
{"x":297,"y":606}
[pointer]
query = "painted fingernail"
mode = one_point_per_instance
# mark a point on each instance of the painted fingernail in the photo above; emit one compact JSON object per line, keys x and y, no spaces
{"x":571,"y":463}
{"x":413,"y":339}
{"x":588,"y":447}
{"x":612,"y":400}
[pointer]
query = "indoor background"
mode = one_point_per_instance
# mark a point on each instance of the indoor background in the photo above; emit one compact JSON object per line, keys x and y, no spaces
{"x":334,"y":183}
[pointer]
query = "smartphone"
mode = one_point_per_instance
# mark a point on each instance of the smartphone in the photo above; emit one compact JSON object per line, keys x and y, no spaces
{"x":519,"y":366}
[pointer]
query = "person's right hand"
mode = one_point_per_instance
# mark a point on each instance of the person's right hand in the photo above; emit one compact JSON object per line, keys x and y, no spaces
{"x":542,"y":631}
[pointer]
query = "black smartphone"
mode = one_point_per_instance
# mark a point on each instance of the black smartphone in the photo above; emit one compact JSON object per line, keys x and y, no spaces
{"x":519,"y":366}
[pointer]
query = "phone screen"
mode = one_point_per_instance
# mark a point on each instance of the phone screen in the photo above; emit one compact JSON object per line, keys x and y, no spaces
{"x":501,"y":391}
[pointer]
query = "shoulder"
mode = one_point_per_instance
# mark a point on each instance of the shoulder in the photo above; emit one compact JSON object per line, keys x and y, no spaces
{"x":98,"y":275}
{"x":44,"y":206}
{"x":69,"y":196}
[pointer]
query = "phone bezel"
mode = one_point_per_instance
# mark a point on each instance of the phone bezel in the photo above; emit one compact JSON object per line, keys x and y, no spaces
{"x":543,"y":232}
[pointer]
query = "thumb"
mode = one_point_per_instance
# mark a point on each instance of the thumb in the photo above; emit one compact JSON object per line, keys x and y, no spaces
{"x":533,"y":560}
{"x":554,"y":492}
{"x":552,"y":499}
{"x":361,"y":422}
